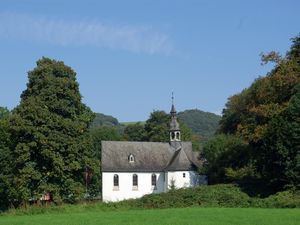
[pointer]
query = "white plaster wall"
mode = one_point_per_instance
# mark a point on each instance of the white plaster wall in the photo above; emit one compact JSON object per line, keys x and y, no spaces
{"x":191,"y":179}
{"x":126,"y":190}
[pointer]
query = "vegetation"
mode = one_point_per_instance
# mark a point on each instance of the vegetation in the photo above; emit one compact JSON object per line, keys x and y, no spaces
{"x":104,"y":120}
{"x":48,"y":131}
{"x":216,"y":196}
{"x":135,"y":132}
{"x":204,"y":124}
{"x":265,"y":117}
{"x":221,"y":195}
{"x":210,"y":205}
{"x":227,"y":158}
{"x":49,"y":144}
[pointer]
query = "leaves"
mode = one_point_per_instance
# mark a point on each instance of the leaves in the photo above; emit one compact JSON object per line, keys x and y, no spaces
{"x":49,"y":129}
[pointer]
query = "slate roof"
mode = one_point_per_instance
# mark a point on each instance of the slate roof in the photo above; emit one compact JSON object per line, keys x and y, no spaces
{"x":149,"y":157}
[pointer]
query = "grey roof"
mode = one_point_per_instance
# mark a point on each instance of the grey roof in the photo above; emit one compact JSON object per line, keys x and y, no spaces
{"x":173,"y":110}
{"x":149,"y":157}
{"x":184,"y":159}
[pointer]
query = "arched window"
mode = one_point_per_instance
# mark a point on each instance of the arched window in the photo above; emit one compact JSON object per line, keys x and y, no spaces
{"x":172,"y":136}
{"x":134,"y":180}
{"x":178,"y":136}
{"x":131,"y":158}
{"x":153,"y":180}
{"x":116,"y":180}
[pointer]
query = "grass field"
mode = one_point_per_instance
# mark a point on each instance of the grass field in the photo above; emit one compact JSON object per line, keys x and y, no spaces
{"x":186,"y":216}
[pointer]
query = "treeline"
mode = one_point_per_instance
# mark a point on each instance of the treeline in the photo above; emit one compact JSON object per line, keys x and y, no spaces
{"x":202,"y":124}
{"x":259,"y":134}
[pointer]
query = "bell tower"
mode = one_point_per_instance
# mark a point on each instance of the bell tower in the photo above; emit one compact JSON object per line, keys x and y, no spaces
{"x":175,"y":135}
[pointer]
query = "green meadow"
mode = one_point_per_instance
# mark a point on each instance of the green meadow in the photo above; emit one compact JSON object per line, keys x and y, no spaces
{"x":201,"y":216}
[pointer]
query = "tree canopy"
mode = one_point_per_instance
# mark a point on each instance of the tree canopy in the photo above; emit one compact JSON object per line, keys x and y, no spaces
{"x":266,"y":116}
{"x":204,"y":124}
{"x":49,"y":130}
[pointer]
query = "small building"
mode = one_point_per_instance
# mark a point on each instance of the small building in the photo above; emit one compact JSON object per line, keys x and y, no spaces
{"x":133,"y":169}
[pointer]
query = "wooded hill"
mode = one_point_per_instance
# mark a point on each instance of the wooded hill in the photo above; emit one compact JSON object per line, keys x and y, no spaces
{"x":201,"y":123}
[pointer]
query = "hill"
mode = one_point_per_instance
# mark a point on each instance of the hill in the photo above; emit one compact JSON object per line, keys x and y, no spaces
{"x":202,"y":123}
{"x":104,"y":120}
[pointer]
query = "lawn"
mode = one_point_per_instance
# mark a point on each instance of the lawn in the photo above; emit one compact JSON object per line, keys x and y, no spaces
{"x":205,"y":216}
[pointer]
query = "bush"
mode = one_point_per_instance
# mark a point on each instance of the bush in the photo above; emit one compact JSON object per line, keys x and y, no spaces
{"x":221,"y":195}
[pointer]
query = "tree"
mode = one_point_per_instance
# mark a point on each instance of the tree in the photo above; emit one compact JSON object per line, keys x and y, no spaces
{"x":6,"y":162}
{"x":98,"y":134}
{"x":104,"y":120}
{"x":49,"y":130}
{"x":134,"y":132}
{"x":279,"y":151}
{"x":4,"y":113}
{"x":201,"y":123}
{"x":158,"y":125}
{"x":265,"y":116}
{"x":103,"y":133}
{"x":223,"y":153}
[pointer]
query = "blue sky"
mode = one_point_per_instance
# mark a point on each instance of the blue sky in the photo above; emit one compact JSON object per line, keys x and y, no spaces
{"x":130,"y":55}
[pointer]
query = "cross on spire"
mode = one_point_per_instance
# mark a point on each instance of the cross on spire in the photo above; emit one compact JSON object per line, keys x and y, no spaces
{"x":172,"y":98}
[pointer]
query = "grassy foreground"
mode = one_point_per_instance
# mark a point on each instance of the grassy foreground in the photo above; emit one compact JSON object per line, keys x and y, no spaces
{"x":186,"y":216}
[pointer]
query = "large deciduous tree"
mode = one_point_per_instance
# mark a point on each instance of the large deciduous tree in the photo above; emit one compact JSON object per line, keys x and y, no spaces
{"x":266,"y":115}
{"x":49,"y":127}
{"x":6,"y":160}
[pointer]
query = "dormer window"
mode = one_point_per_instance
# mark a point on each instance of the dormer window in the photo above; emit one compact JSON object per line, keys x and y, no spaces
{"x":131,"y":158}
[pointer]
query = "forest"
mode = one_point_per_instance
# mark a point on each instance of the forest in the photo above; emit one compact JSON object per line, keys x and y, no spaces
{"x":51,"y":141}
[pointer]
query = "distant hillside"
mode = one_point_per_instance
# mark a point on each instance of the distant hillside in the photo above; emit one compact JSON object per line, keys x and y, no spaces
{"x":202,"y":123}
{"x":104,"y":120}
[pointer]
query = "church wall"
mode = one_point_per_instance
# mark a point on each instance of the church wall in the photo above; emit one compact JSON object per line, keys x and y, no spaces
{"x":182,"y":179}
{"x":126,"y":189}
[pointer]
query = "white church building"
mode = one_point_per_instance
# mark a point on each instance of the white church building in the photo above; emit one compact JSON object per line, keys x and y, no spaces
{"x":133,"y":169}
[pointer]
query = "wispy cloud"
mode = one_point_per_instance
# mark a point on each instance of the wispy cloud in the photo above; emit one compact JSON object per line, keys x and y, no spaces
{"x":138,"y":39}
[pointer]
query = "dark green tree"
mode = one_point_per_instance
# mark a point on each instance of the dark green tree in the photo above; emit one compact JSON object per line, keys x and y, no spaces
{"x":98,"y":134}
{"x":49,"y":130}
{"x":201,"y":123}
{"x":6,"y":162}
{"x":134,"y":132}
{"x":279,"y":151}
{"x":4,"y":112}
{"x":157,"y":127}
{"x":227,"y":159}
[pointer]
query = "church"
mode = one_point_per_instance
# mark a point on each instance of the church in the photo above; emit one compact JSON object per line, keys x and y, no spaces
{"x":133,"y":169}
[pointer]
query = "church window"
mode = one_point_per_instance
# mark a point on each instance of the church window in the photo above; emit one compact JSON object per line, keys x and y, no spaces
{"x":177,"y":136}
{"x":116,"y":180}
{"x":183,"y":174}
{"x":172,"y":135}
{"x":134,"y":180}
{"x":153,"y":180}
{"x":131,"y":158}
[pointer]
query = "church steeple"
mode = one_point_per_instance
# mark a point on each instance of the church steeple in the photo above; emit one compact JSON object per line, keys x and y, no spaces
{"x":174,"y":127}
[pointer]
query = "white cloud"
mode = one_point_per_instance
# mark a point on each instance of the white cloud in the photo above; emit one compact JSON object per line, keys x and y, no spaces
{"x":138,"y":39}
